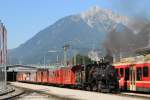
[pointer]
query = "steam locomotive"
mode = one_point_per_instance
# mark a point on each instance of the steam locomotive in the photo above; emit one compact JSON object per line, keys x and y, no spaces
{"x":99,"y":77}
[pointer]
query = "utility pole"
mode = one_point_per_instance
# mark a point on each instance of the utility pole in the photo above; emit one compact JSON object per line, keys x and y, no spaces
{"x":75,"y":58}
{"x":57,"y":61}
{"x":65,"y":47}
{"x":44,"y":62}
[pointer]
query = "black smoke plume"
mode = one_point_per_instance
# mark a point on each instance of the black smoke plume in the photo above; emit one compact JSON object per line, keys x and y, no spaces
{"x":126,"y":40}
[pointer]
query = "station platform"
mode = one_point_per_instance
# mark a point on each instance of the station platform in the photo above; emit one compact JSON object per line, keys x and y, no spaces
{"x":72,"y":94}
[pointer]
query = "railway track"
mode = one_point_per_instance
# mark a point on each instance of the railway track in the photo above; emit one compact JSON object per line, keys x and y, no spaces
{"x":138,"y":95}
{"x":30,"y":94}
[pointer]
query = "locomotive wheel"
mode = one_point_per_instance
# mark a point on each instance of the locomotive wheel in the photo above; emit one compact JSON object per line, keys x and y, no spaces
{"x":94,"y":88}
{"x":88,"y":88}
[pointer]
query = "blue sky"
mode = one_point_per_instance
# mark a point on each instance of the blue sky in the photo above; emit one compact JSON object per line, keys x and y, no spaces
{"x":24,"y":18}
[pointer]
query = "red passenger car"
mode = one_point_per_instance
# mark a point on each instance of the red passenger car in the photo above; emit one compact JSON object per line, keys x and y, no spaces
{"x":134,"y":75}
{"x":64,"y":76}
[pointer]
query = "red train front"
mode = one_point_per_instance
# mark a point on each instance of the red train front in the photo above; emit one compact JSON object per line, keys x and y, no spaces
{"x":134,"y":74}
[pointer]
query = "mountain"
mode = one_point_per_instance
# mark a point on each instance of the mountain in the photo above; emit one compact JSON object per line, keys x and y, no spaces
{"x":83,"y":30}
{"x":103,"y":18}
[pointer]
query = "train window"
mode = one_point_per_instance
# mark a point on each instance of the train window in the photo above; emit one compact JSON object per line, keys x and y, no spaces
{"x":121,"y":72}
{"x":145,"y":71}
{"x":127,"y":74}
{"x":139,"y":74}
{"x":116,"y":71}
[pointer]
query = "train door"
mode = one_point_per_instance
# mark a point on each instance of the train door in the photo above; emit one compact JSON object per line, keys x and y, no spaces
{"x":132,"y":78}
{"x":126,"y":78}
